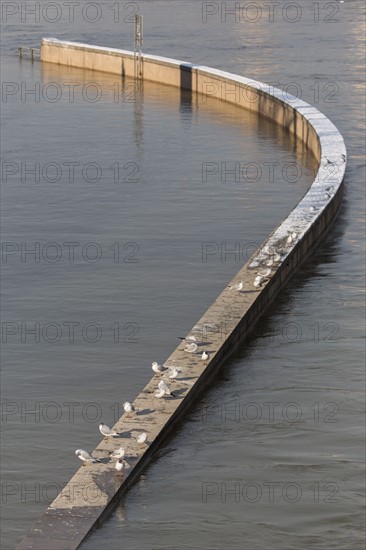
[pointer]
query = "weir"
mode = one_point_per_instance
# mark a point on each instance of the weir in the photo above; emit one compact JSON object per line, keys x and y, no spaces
{"x":95,"y":489}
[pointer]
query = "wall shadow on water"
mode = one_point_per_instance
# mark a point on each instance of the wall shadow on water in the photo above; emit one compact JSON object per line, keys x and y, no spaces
{"x":185,"y":89}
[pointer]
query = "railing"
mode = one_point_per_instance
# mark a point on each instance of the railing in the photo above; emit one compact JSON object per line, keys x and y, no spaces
{"x":32,"y":51}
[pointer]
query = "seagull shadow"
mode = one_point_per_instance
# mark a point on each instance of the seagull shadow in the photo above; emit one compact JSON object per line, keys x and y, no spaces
{"x":178,"y":392}
{"x":104,"y":459}
{"x":203,"y":343}
{"x":140,"y":430}
{"x":145,"y":411}
{"x":120,"y":435}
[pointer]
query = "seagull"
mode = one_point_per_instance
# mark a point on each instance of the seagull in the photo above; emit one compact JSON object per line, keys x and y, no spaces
{"x":266,"y":273}
{"x":191,"y":348}
{"x":118,"y":453}
{"x":85,"y":456}
{"x":205,"y":356}
{"x":164,"y":390}
{"x":192,"y":341}
{"x":128,"y":407}
{"x":157,"y":368}
{"x":268,"y":250}
{"x":164,"y":386}
{"x":239,"y":286}
{"x":258,"y":281}
{"x":141,"y":438}
{"x":276,"y":257}
{"x":261,"y":277}
{"x":173,"y":372}
{"x":106,"y":430}
{"x":159,"y":394}
{"x":312,"y":209}
{"x":121,"y":465}
{"x":274,"y":260}
{"x":188,"y":338}
{"x":291,"y":238}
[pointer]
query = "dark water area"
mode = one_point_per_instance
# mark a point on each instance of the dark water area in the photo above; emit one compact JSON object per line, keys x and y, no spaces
{"x":113,"y":196}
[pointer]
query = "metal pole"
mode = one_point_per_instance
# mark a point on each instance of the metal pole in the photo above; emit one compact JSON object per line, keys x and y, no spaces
{"x":134,"y":48}
{"x":137,"y":67}
{"x":141,"y":35}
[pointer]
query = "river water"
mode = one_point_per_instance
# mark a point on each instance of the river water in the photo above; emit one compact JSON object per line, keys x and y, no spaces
{"x":133,"y":238}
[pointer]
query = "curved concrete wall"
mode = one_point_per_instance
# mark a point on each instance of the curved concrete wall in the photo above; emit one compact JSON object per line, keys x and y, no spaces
{"x":94,"y":490}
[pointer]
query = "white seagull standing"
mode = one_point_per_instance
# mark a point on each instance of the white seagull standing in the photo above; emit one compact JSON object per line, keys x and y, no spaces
{"x":174,"y":371}
{"x":205,"y":356}
{"x":291,"y":238}
{"x":261,"y":277}
{"x":121,"y":465}
{"x":106,"y":430}
{"x":157,"y":368}
{"x":238,"y":287}
{"x":85,"y":456}
{"x":164,"y":390}
{"x":276,"y":258}
{"x":258,"y":281}
{"x":118,"y":453}
{"x":128,"y":407}
{"x":141,"y":438}
{"x":164,"y":386}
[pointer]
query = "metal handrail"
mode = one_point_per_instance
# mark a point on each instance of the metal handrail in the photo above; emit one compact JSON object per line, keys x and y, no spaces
{"x":26,"y":48}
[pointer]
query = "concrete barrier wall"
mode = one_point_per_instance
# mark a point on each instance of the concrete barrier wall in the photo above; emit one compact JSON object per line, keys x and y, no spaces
{"x":94,"y":490}
{"x":255,"y":96}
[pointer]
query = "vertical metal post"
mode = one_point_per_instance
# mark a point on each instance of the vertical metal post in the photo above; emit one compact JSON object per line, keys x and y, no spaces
{"x":137,"y":67}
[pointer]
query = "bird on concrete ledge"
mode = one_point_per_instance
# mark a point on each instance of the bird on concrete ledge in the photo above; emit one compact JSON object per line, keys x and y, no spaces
{"x":106,"y":430}
{"x":85,"y":457}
